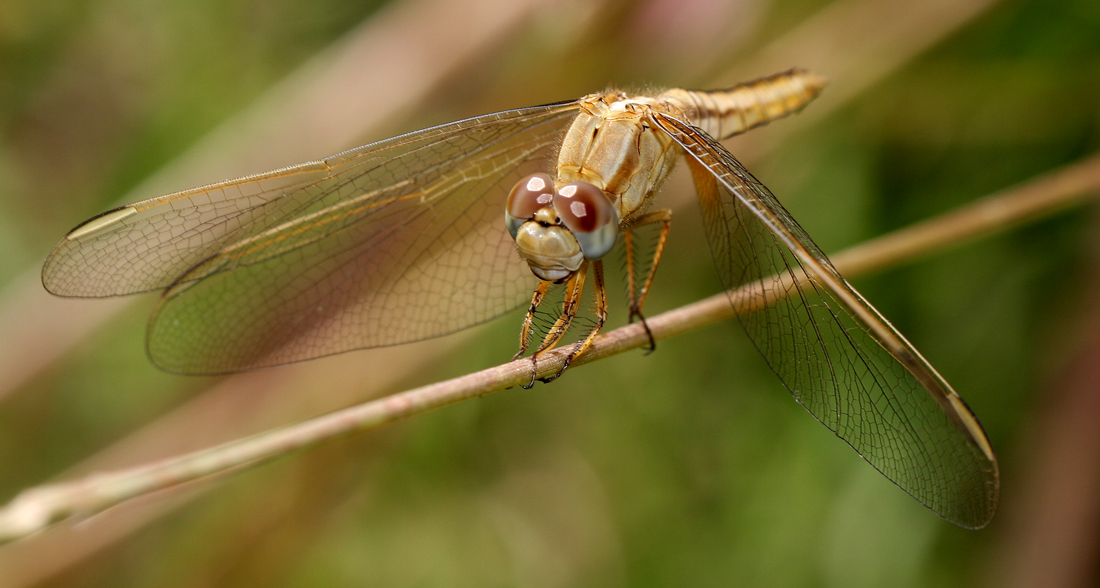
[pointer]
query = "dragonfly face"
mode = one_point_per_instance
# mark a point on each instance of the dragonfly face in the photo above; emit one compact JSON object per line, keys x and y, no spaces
{"x":401,"y":240}
{"x":557,"y":229}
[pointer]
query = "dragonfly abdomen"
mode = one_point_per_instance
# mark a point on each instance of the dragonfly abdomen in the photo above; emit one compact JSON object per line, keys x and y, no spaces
{"x":729,"y":112}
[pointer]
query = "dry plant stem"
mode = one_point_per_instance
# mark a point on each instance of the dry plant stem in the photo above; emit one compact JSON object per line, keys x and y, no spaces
{"x":36,"y":508}
{"x":1042,"y":195}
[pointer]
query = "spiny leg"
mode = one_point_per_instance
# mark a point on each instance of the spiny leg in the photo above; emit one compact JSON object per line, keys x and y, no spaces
{"x":601,"y":318}
{"x":628,"y":243}
{"x":631,"y":288}
{"x":525,"y":332}
{"x":573,"y":290}
{"x":637,"y":299}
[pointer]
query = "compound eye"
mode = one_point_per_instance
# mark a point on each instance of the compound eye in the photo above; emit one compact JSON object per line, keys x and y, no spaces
{"x":589,"y":215}
{"x":529,"y":194}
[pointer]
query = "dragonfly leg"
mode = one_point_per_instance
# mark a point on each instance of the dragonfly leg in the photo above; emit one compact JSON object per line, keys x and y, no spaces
{"x":637,"y":298}
{"x":601,"y":318}
{"x":573,"y":290}
{"x":628,"y":243}
{"x":631,"y":288}
{"x":525,"y":332}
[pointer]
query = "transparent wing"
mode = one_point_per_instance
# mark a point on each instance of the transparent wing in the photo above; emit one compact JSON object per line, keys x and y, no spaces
{"x":836,"y":354}
{"x":388,"y":243}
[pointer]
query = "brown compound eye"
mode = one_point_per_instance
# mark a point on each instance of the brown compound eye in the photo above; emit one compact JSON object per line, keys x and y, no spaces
{"x":529,"y":194}
{"x":589,"y":215}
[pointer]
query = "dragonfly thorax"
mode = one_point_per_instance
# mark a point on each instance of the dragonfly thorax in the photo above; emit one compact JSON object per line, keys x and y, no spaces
{"x":557,"y":229}
{"x":612,"y":144}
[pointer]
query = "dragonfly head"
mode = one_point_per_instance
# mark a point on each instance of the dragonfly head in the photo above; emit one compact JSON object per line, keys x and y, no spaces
{"x":556,"y":230}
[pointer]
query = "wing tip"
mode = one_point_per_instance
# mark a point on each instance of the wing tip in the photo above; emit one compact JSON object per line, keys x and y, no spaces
{"x":99,"y":222}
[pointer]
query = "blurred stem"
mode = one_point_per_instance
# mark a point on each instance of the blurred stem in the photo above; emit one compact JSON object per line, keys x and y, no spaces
{"x":36,"y":508}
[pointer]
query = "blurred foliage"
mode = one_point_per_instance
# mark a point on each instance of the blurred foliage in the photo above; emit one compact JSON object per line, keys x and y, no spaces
{"x":687,"y":467}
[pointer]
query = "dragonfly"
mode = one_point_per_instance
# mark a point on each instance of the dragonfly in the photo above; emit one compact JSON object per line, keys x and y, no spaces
{"x":434,"y":231}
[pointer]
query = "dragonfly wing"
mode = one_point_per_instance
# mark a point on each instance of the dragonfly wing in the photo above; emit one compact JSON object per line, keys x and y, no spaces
{"x":148,"y":245}
{"x":837,"y":355}
{"x":389,"y":243}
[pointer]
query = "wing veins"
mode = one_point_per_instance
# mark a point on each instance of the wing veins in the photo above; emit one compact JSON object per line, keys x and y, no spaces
{"x":940,"y":455}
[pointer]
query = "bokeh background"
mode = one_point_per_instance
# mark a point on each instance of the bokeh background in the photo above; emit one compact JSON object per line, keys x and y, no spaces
{"x":687,"y":467}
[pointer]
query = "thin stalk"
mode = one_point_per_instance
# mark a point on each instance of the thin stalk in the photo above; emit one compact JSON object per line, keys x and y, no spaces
{"x":36,"y":508}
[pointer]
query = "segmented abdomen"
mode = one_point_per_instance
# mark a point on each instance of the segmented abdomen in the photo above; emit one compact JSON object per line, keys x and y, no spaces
{"x":729,"y":112}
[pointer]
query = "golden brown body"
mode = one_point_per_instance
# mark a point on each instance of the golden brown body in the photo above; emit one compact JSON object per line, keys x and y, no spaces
{"x":612,"y":145}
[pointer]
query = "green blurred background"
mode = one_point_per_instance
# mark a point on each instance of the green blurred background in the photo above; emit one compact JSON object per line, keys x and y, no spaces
{"x":687,"y":467}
